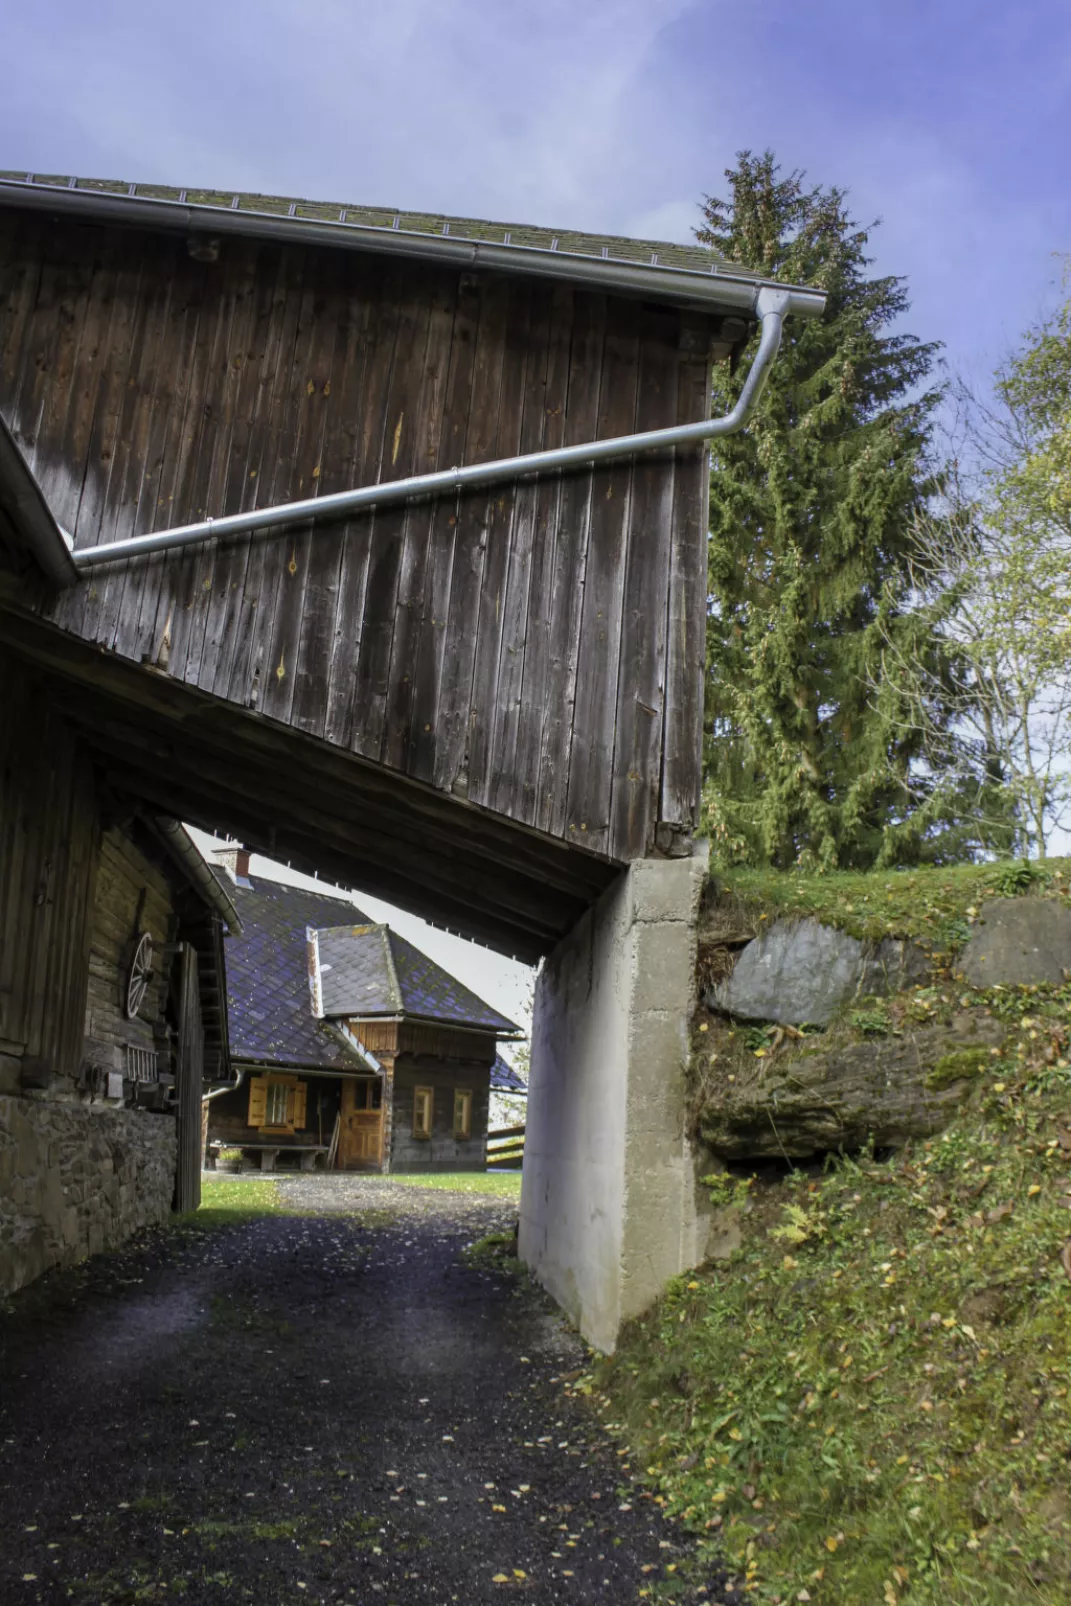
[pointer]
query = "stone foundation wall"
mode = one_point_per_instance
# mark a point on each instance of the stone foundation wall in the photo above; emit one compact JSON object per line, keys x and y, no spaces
{"x":75,"y":1179}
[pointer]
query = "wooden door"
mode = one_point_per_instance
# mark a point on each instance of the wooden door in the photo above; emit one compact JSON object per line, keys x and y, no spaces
{"x":191,"y":1063}
{"x":360,"y":1137}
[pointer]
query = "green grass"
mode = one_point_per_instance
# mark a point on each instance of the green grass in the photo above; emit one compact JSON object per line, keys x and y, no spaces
{"x":500,"y":1184}
{"x":229,"y":1201}
{"x":932,"y":905}
{"x":868,"y":1403}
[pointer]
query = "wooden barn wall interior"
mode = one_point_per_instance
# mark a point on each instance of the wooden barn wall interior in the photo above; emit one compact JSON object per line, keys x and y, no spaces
{"x":131,"y":895}
{"x":536,"y":650}
{"x":49,"y":828}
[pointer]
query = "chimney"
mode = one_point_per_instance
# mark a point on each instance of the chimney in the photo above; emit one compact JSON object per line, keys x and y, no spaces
{"x":235,"y":861}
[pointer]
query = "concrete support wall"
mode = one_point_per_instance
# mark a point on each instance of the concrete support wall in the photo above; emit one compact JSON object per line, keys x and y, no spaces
{"x":75,"y":1179}
{"x":609,"y":1206}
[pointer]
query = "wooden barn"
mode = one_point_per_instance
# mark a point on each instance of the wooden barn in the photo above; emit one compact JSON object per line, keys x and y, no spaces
{"x":351,"y":1048}
{"x":377,"y":541}
{"x":504,"y":682}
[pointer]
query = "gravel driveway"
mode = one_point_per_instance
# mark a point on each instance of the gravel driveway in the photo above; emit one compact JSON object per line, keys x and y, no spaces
{"x":328,"y":1406}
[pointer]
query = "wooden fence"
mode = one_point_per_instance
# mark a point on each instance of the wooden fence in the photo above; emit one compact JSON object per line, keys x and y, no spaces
{"x":505,"y":1149}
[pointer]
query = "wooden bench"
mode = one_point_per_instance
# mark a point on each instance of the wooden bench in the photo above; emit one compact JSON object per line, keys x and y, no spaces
{"x":270,"y":1152}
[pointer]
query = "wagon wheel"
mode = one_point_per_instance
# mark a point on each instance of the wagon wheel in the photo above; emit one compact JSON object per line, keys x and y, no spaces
{"x":139,"y":976}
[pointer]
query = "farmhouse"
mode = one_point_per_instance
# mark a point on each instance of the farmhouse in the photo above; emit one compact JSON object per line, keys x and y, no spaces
{"x":352,"y":1049}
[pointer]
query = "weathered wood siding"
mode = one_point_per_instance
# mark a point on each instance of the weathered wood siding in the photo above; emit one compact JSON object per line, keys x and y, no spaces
{"x":537,"y":649}
{"x":131,"y":895}
{"x":48,"y":842}
{"x":191,"y":1067}
{"x":442,"y":1151}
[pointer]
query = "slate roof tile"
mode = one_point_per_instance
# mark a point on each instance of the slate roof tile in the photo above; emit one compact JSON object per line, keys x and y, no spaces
{"x":268,"y":1004}
{"x":504,"y":1079}
{"x":368,"y":970}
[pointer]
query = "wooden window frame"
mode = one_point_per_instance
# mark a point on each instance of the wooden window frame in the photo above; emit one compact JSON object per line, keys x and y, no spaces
{"x":271,"y":1095}
{"x":421,"y":1132}
{"x":296,"y":1095}
{"x":463,"y":1128}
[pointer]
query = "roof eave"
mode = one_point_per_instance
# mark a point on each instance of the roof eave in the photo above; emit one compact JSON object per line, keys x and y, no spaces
{"x":507,"y":1033}
{"x":715,"y":290}
{"x":24,"y":503}
{"x":188,"y":857}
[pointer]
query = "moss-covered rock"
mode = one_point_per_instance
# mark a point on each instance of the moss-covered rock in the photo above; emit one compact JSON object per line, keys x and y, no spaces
{"x":959,"y":1066}
{"x":845,"y":1093}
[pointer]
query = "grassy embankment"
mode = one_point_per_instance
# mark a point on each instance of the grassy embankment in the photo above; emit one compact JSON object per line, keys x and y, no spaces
{"x":868,"y":1402}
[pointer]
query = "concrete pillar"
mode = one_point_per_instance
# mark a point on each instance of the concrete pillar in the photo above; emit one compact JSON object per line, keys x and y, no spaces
{"x":609,"y":1208}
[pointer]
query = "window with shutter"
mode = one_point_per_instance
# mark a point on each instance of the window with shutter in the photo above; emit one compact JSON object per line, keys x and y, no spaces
{"x":462,"y":1113}
{"x":258,"y":1100}
{"x":423,"y":1110}
{"x":278,"y":1104}
{"x":298,"y":1117}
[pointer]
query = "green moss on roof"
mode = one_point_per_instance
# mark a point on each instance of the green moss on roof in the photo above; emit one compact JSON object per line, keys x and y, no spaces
{"x":610,"y":247}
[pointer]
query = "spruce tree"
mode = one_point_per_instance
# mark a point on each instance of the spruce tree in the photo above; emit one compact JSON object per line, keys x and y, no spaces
{"x":810,"y":514}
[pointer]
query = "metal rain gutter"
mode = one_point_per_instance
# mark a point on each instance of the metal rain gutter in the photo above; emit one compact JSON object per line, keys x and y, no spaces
{"x":186,"y":853}
{"x":771,"y":304}
{"x":715,"y":288}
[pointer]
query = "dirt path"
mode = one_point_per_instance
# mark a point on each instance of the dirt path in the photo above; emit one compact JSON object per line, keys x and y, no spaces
{"x":327,"y":1407}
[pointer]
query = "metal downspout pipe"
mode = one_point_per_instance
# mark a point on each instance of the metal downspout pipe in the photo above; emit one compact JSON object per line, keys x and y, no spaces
{"x":771,"y":304}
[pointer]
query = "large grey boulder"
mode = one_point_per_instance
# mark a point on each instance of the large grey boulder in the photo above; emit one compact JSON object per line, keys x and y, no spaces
{"x":1018,"y":942}
{"x":801,"y":972}
{"x":841,"y":1095}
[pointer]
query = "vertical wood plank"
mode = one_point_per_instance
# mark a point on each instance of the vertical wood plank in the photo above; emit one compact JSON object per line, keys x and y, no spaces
{"x":119,"y":310}
{"x":502,"y":780}
{"x":420,"y":526}
{"x":232,"y":488}
{"x":591,"y":747}
{"x":570,"y":558}
{"x":310,"y":400}
{"x":191,"y":1055}
{"x":266,"y":481}
{"x":405,"y":434}
{"x":366,"y":406}
{"x":523,"y":350}
{"x":232,"y":295}
{"x":429,"y":647}
{"x":121,"y":604}
{"x":470,"y":546}
{"x":682,"y":761}
{"x":640,"y":689}
{"x":341,"y":433}
{"x":517,"y":789}
{"x":56,"y":466}
{"x":21,"y":264}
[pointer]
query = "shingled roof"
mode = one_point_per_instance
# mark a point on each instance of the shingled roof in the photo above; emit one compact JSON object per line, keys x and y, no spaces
{"x":505,"y":1079}
{"x":268,"y":1004}
{"x":367,"y":970}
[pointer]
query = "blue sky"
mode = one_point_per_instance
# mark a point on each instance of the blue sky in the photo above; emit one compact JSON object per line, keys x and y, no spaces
{"x":950,"y":120}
